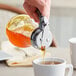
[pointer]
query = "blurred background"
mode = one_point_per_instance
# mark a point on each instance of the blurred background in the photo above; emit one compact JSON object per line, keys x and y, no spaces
{"x":62,"y":19}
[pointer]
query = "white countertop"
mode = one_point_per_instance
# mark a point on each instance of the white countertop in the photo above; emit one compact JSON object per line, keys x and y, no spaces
{"x":18,"y":71}
{"x":28,"y":71}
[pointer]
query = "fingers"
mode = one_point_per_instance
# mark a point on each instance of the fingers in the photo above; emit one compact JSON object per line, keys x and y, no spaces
{"x":43,"y":5}
{"x":35,"y":17}
{"x":31,"y":11}
{"x":27,"y":8}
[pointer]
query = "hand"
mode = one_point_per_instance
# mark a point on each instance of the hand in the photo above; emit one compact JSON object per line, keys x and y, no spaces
{"x":31,"y":5}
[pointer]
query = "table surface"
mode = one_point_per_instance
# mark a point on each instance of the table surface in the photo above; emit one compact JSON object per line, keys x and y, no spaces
{"x":22,"y":71}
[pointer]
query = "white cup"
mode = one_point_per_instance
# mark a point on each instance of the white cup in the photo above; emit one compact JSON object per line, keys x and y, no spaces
{"x":51,"y":69}
{"x":72,"y":42}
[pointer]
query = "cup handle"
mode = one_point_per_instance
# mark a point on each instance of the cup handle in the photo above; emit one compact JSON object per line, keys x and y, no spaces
{"x":70,"y":67}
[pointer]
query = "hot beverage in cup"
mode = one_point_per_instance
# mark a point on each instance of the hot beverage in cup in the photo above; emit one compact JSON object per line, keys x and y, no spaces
{"x":50,"y":62}
{"x":51,"y":67}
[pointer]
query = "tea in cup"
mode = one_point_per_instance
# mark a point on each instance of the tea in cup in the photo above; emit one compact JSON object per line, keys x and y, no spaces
{"x":51,"y":67}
